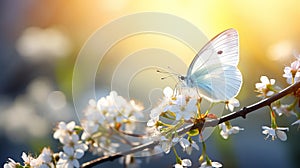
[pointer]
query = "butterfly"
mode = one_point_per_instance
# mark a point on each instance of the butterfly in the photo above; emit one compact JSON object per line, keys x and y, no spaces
{"x":214,"y":70}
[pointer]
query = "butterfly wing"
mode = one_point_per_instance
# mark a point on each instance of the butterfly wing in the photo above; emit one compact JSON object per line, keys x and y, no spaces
{"x":213,"y":70}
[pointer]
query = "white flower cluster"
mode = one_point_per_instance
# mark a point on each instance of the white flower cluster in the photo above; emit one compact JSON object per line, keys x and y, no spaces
{"x":73,"y":148}
{"x":101,"y":129}
{"x":292,"y":73}
{"x":44,"y":160}
{"x":173,"y":111}
{"x":174,"y":107}
{"x":268,"y":88}
{"x":227,"y":129}
{"x":275,"y":132}
{"x":105,"y":120}
{"x":184,"y":163}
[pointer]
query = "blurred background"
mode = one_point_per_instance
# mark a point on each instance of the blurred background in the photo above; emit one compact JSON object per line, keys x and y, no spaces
{"x":40,"y":41}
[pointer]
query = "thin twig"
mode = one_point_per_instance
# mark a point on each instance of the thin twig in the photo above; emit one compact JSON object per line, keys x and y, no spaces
{"x":103,"y":159}
{"x":212,"y":123}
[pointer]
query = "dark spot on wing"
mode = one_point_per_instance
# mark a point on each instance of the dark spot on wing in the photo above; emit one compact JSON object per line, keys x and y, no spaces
{"x":220,"y":52}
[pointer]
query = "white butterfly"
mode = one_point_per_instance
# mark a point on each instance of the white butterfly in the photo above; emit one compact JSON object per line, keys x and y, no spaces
{"x":214,"y":70}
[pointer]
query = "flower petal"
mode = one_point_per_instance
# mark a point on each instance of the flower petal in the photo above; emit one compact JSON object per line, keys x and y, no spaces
{"x":184,"y":143}
{"x":264,"y":80}
{"x":265,"y":132}
{"x":259,"y":85}
{"x":270,"y":93}
{"x":186,"y":162}
{"x":79,"y":153}
{"x":194,"y":144}
{"x":178,"y":166}
{"x":224,"y":134}
{"x":216,"y":164}
{"x":75,"y":163}
{"x":281,"y":135}
{"x":272,"y":81}
{"x":168,"y":92}
{"x":265,"y":127}
{"x":282,"y":128}
{"x":68,"y":150}
{"x":71,"y":125}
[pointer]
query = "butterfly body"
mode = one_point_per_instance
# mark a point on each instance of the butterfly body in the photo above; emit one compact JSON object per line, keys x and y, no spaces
{"x":214,"y":70}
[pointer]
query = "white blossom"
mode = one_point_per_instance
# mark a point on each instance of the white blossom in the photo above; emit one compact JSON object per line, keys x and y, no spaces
{"x":11,"y":164}
{"x":107,"y":115}
{"x":46,"y":155}
{"x":188,"y":146}
{"x":167,"y":143}
{"x":184,"y":109}
{"x":68,"y":159}
{"x":168,"y":92}
{"x":183,"y":104}
{"x":211,"y":165}
{"x":28,"y":160}
{"x":164,"y":106}
{"x":154,"y":116}
{"x":72,"y":143}
{"x":168,"y":99}
{"x":116,"y":109}
{"x":184,"y":163}
{"x":231,"y":104}
{"x":283,"y":109}
{"x":265,"y":87}
{"x":274,"y":133}
{"x":64,"y":130}
{"x":93,"y":118}
{"x":227,"y":130}
{"x":44,"y":160}
{"x":292,"y":73}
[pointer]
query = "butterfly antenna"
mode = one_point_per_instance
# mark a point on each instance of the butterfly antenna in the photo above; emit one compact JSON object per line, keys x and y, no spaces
{"x":166,"y":72}
{"x":163,"y":78}
{"x":160,"y":71}
{"x":173,"y":71}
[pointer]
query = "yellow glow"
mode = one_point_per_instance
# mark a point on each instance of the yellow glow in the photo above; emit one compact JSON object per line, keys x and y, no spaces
{"x":261,"y":25}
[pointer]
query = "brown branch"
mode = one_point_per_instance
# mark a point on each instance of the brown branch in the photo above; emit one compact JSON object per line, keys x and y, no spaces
{"x":103,"y":159}
{"x":212,"y":123}
{"x":265,"y":102}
